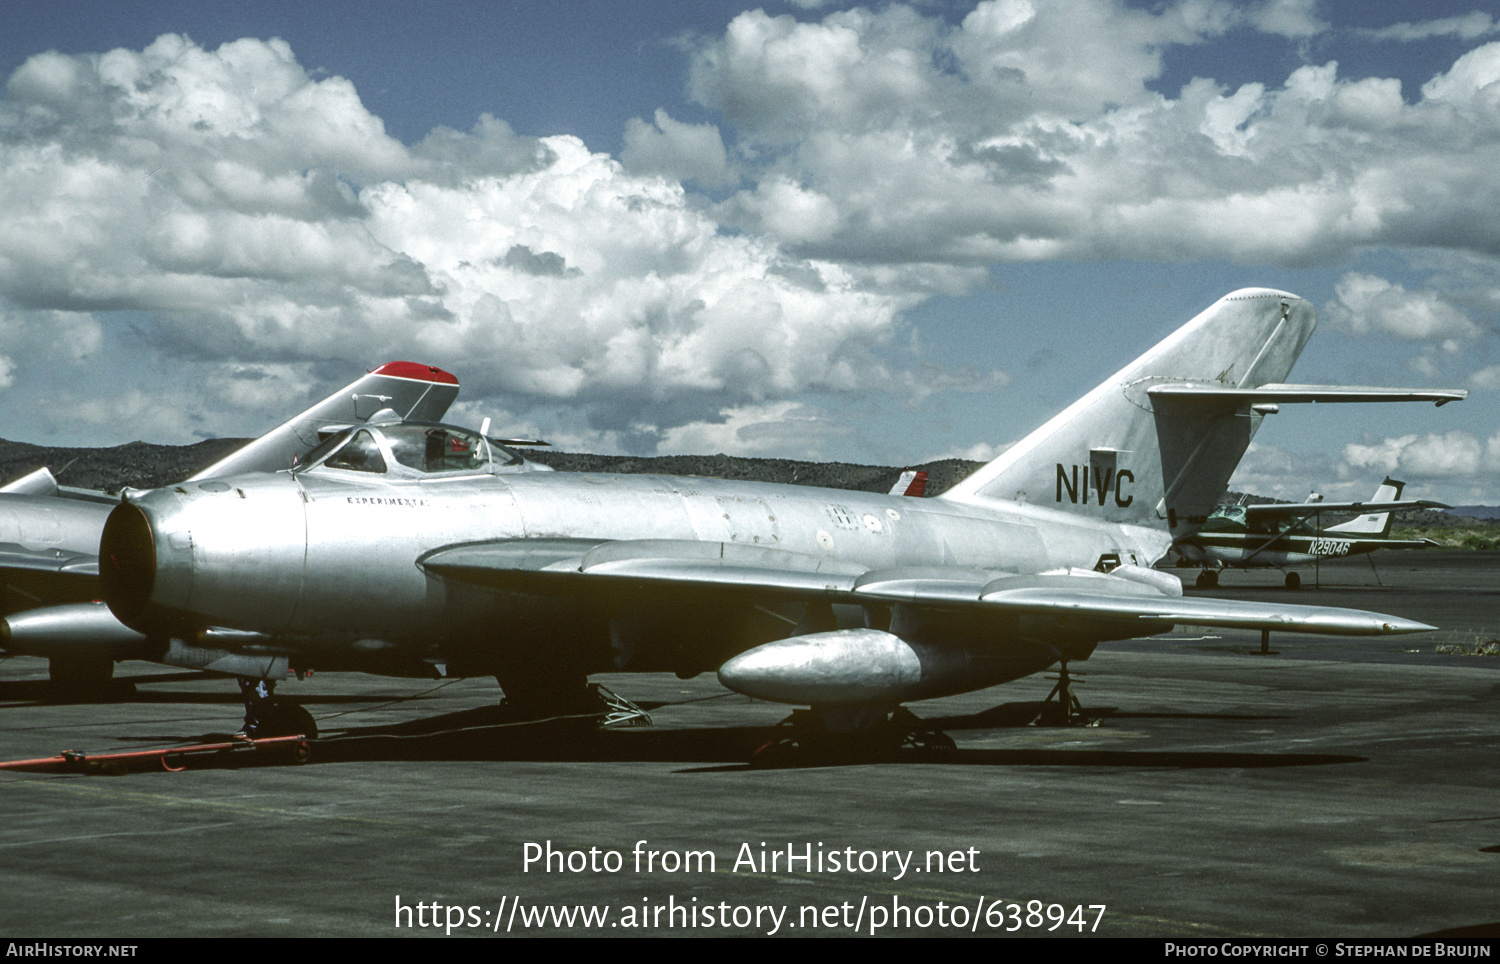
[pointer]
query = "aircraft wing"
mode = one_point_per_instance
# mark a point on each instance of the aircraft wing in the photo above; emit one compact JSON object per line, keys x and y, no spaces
{"x":735,"y":572}
{"x":60,"y":561}
{"x":1276,"y":393}
{"x":1309,"y":509}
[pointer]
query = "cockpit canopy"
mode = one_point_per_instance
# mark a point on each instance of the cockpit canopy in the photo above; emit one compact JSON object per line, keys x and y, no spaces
{"x":413,"y":450}
{"x":1234,"y":518}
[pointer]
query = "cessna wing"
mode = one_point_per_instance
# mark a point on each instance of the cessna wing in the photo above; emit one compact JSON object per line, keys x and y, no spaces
{"x":1307,"y":510}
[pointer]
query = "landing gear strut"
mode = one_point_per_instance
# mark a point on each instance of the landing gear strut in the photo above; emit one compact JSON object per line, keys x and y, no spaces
{"x":1066,"y":711}
{"x":579,"y":699}
{"x":85,"y":679}
{"x":267,"y":716}
{"x":804,"y":738}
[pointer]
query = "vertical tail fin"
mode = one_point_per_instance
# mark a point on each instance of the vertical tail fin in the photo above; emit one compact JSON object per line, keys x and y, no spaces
{"x":1122,"y":455}
{"x":1374,"y":523}
{"x":911,"y":483}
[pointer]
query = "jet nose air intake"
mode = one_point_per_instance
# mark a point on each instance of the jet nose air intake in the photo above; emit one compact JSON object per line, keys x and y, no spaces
{"x":127,"y":563}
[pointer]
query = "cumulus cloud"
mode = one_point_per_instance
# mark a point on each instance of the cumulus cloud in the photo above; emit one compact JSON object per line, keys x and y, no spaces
{"x":1469,"y":26}
{"x":1486,"y":379}
{"x":271,"y":230}
{"x":779,"y":428}
{"x":1033,"y":131}
{"x":1451,"y":455}
{"x":260,"y":219}
{"x":680,"y":151}
{"x":1365,"y":304}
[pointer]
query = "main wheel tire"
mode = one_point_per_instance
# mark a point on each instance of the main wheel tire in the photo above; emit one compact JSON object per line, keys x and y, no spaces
{"x":82,"y":679}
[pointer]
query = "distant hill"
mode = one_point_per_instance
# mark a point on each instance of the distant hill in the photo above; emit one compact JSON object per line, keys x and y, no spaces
{"x":143,"y":465}
{"x":140,"y":465}
{"x":1476,"y":511}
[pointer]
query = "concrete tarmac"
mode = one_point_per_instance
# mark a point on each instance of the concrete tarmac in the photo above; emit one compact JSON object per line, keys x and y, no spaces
{"x":1342,"y":788}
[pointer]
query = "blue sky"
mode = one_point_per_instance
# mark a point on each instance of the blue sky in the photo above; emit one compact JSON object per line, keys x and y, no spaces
{"x":879,"y":234}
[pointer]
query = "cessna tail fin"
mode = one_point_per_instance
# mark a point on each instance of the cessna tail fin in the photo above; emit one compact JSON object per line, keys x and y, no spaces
{"x":1374,"y":523}
{"x":412,"y":391}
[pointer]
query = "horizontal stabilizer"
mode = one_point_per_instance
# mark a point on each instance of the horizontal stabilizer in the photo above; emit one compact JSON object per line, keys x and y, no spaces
{"x":1276,"y":393}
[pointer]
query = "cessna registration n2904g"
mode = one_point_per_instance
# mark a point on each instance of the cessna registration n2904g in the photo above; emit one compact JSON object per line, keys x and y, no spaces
{"x":398,"y":548}
{"x":49,"y":534}
{"x":1250,"y":536}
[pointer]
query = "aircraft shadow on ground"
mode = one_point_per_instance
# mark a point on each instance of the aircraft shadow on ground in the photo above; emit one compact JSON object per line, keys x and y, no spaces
{"x":17,"y":694}
{"x":484,"y":734}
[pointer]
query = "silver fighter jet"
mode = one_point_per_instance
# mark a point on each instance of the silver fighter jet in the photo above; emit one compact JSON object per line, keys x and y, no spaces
{"x":49,"y":534}
{"x":404,"y":548}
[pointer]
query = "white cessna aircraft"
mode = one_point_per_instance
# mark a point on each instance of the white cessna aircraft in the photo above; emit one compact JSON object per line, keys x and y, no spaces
{"x":1285,"y":534}
{"x":402,"y":548}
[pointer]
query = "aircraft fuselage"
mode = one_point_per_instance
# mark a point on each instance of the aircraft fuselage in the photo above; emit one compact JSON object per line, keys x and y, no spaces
{"x":330,"y":561}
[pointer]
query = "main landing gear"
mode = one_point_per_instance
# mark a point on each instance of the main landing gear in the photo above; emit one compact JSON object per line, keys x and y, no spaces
{"x":822,"y":735}
{"x":85,"y":679}
{"x":573,"y":700}
{"x":267,"y":716}
{"x":1061,"y":707}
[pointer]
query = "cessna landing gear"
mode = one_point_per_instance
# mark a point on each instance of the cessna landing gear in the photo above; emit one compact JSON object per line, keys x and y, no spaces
{"x":1208,"y":579}
{"x":806,"y":739}
{"x":1293,"y":580}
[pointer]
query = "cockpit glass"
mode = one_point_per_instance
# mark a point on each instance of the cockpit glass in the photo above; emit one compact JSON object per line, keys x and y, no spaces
{"x":437,"y":448}
{"x":322,"y":449}
{"x":362,"y":454}
{"x":1225,"y":518}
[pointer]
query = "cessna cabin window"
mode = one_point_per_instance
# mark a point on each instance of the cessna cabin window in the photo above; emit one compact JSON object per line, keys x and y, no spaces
{"x":1226,"y":518}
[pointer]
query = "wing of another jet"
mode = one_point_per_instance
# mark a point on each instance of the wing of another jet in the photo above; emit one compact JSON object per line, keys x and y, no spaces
{"x":735,"y":572}
{"x":415,"y":392}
